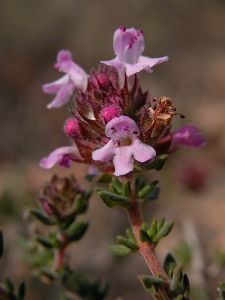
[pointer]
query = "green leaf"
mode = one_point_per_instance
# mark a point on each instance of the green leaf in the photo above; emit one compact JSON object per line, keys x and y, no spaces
{"x":113,"y":190}
{"x":117,"y":184}
{"x":147,"y":189}
{"x":169,"y":264}
{"x":165,"y":230}
{"x":152,"y":231}
{"x":44,"y":242}
{"x":126,"y":242}
{"x":131,"y":235}
{"x":139,"y":183}
{"x":156,"y":163}
{"x":1,"y":243}
{"x":176,"y":278}
{"x":87,"y":194}
{"x":126,"y":188}
{"x":119,"y":250}
{"x":80,"y":204}
{"x":112,"y":200}
{"x":149,"y":281}
{"x":22,"y":290}
{"x":43,"y":217}
{"x":153,"y":195}
{"x":102,"y":178}
{"x":144,"y":236}
{"x":9,"y":285}
{"x":76,"y":231}
{"x":67,"y":220}
{"x":160,"y":223}
{"x":99,"y":189}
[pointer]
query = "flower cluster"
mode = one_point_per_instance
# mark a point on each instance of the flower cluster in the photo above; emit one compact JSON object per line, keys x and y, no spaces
{"x":114,"y":124}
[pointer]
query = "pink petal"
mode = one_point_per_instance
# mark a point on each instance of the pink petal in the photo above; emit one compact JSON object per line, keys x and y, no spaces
{"x":188,"y":135}
{"x":128,"y":44}
{"x":149,"y":62}
{"x":55,"y":86}
{"x":116,"y":63}
{"x":63,"y":56}
{"x":62,"y":96}
{"x":133,"y":69}
{"x":58,"y":155}
{"x":141,"y":151}
{"x":118,"y":125}
{"x":78,"y":76}
{"x":104,"y":154}
{"x":123,"y":161}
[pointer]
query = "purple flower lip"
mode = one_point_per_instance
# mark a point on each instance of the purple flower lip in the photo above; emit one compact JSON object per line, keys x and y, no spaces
{"x":187,"y":135}
{"x":124,"y":146}
{"x":128,"y":46}
{"x":62,"y":156}
{"x":75,"y":79}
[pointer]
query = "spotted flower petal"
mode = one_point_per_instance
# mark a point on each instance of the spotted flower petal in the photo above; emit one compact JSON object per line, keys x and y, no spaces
{"x":128,"y":46}
{"x":124,"y":146}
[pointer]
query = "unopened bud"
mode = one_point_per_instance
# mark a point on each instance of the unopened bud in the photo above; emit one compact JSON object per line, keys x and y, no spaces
{"x":72,"y":127}
{"x":110,"y":112}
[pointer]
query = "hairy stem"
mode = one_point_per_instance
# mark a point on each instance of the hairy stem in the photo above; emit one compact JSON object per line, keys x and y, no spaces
{"x":145,"y":249}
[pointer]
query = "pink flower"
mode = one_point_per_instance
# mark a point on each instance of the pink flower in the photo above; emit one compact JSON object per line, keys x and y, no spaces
{"x":128,"y":46}
{"x":62,"y":156}
{"x":124,"y":146}
{"x":187,"y":135}
{"x":75,"y":78}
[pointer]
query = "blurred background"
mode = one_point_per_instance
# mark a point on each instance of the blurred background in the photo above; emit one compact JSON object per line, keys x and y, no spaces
{"x":192,"y":34}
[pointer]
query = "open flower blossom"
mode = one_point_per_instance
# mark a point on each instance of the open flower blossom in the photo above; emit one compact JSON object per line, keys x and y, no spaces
{"x":128,"y":46}
{"x":124,"y":146}
{"x":62,"y":156}
{"x":187,"y":135}
{"x":75,"y":78}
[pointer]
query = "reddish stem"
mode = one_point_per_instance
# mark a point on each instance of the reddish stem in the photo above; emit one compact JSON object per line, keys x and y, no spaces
{"x":59,"y":255}
{"x":145,"y":249}
{"x":59,"y":259}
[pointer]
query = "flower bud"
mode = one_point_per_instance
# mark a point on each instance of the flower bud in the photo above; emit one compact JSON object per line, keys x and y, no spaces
{"x":72,"y":127}
{"x":110,"y":112}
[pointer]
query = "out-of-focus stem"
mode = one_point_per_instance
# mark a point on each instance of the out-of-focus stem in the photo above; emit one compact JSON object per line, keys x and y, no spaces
{"x":59,"y":255}
{"x":58,"y":259}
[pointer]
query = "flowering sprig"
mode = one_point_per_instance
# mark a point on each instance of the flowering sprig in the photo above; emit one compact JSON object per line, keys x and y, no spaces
{"x":118,"y":130}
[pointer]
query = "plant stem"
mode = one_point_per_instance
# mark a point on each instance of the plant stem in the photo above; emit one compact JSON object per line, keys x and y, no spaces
{"x":145,"y":249}
{"x":59,"y":255}
{"x":58,"y":259}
